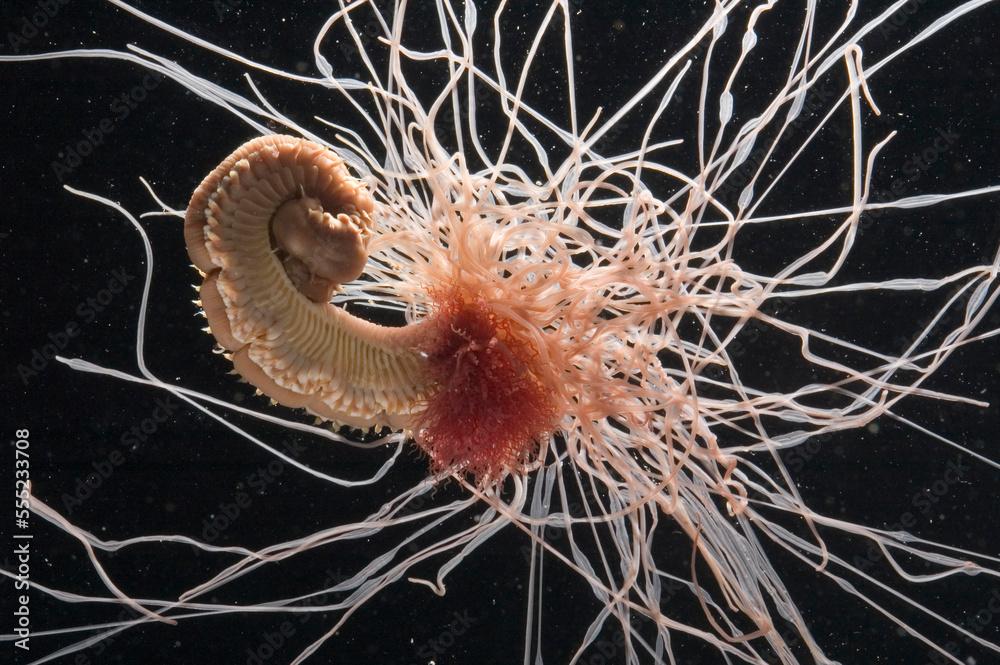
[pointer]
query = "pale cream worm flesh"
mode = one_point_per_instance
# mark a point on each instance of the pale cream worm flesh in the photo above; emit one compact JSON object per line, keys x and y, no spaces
{"x":276,"y":227}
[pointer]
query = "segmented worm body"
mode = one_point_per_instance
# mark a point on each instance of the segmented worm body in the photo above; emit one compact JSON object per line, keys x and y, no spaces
{"x":276,"y":228}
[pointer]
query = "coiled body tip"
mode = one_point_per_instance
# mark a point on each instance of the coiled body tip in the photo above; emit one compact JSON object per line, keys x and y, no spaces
{"x":276,"y":228}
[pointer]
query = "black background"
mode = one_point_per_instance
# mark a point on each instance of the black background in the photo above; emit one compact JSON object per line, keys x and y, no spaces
{"x":59,"y":250}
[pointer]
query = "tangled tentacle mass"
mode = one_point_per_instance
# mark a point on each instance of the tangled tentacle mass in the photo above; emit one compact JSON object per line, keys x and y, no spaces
{"x":575,"y":316}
